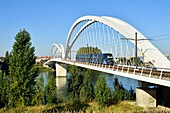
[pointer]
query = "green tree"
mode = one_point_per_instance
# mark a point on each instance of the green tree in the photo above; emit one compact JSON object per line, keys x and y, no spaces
{"x":4,"y":86}
{"x":6,"y":63}
{"x":89,"y":50}
{"x":102,"y":91}
{"x":86,"y":92}
{"x":22,"y":71}
{"x":38,"y":99}
{"x":74,"y":83}
{"x":119,"y":92}
{"x":50,"y":93}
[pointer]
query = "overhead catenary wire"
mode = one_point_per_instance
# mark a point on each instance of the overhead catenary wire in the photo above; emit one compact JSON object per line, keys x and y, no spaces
{"x":159,"y":37}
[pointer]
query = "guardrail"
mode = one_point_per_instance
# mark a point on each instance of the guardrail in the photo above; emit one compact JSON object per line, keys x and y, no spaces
{"x":151,"y":72}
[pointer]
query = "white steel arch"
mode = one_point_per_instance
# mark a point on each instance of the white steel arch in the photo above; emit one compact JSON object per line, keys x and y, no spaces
{"x":151,"y":53}
{"x":56,"y":47}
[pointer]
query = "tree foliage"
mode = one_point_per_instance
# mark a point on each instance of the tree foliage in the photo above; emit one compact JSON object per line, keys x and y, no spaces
{"x":86,"y":92}
{"x":5,"y":64}
{"x":102,"y":91}
{"x":22,"y":72}
{"x":74,"y":83}
{"x":38,"y":99}
{"x":89,"y":50}
{"x":120,"y":93}
{"x":4,"y":89}
{"x":50,"y":93}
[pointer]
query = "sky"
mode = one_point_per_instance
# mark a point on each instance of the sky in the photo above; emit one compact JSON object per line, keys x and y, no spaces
{"x":49,"y":21}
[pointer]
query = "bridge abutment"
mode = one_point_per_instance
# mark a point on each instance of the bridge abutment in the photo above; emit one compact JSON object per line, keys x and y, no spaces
{"x":146,"y":97}
{"x":151,"y":95}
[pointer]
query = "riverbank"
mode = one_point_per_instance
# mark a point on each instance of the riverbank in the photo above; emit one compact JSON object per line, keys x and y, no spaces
{"x":44,"y":69}
{"x":121,"y":107}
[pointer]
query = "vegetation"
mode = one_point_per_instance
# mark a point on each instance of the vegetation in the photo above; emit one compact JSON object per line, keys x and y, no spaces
{"x":50,"y":93}
{"x":74,"y":83}
{"x":43,"y":69}
{"x":21,"y":71}
{"x":130,"y":61}
{"x":120,"y":93}
{"x":80,"y":101}
{"x":20,"y":88}
{"x":38,"y":99}
{"x":87,"y":91}
{"x":102,"y":91}
{"x":4,"y":89}
{"x":89,"y":50}
{"x":121,"y":107}
{"x":6,"y":62}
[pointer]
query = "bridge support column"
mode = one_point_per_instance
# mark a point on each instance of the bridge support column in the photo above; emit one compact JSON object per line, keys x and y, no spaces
{"x":152,"y":96}
{"x":146,"y":97}
{"x":61,"y":70}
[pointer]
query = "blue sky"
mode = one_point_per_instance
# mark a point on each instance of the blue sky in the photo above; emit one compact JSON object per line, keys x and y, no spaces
{"x":48,"y":21}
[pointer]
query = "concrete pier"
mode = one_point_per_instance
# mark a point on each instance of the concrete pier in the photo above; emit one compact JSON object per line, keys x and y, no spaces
{"x":147,"y":96}
{"x":61,"y":79}
{"x":61,"y":70}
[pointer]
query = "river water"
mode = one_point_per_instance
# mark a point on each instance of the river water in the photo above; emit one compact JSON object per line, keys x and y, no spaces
{"x":61,"y":82}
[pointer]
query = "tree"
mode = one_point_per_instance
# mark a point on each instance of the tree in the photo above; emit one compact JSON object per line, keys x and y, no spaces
{"x":89,"y":50}
{"x":22,"y":71}
{"x":119,"y":92}
{"x":4,"y":85}
{"x":50,"y":93}
{"x":102,"y":91}
{"x":86,"y":92}
{"x":38,"y":99}
{"x":6,"y":63}
{"x":74,"y":83}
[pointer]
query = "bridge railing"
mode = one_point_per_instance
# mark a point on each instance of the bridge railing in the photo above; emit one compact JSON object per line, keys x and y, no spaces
{"x":154,"y":72}
{"x":151,"y":72}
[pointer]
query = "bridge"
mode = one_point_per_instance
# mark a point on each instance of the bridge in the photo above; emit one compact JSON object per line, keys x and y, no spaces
{"x":134,"y":56}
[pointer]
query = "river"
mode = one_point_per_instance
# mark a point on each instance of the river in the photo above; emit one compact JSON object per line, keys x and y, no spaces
{"x":61,"y":82}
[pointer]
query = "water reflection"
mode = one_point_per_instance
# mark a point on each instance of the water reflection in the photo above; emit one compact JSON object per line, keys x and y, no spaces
{"x":126,"y":82}
{"x":46,"y":75}
{"x":61,"y":82}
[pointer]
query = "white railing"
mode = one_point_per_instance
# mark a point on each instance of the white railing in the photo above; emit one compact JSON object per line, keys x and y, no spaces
{"x":151,"y":72}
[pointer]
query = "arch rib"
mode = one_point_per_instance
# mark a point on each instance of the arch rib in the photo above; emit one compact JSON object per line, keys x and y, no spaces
{"x":151,"y":52}
{"x":59,"y":47}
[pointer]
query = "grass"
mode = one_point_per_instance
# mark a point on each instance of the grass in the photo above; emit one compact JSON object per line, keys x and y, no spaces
{"x":121,"y":107}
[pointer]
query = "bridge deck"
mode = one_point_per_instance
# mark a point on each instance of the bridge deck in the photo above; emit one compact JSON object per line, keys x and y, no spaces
{"x":151,"y":75}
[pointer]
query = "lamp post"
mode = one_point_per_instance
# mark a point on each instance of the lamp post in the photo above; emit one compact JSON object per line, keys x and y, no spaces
{"x":136,"y":49}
